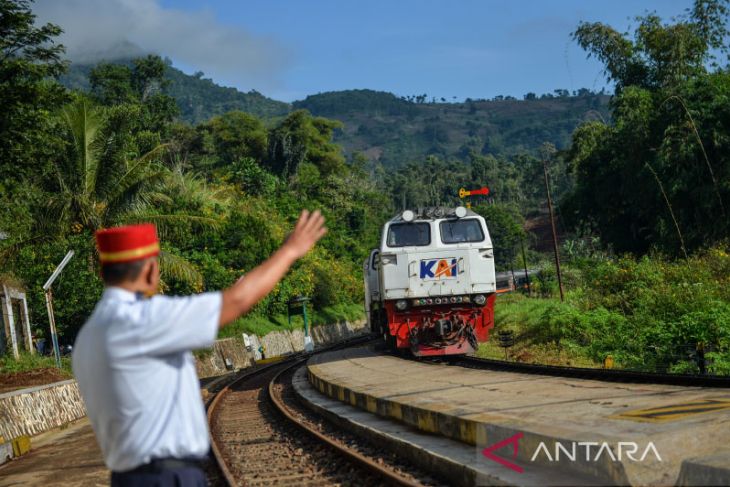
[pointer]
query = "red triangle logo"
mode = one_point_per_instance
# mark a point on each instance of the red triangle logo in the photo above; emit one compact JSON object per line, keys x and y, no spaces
{"x":515,"y":442}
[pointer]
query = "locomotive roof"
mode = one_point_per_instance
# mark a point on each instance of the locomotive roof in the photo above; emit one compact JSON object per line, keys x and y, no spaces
{"x":432,"y":213}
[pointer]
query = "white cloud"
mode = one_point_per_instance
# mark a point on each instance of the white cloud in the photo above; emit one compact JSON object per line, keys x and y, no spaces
{"x":108,"y":29}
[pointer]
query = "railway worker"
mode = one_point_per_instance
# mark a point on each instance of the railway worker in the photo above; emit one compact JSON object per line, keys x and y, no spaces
{"x":133,"y":359}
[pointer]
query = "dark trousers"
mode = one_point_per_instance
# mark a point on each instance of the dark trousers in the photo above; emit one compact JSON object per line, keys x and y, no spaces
{"x":164,"y":477}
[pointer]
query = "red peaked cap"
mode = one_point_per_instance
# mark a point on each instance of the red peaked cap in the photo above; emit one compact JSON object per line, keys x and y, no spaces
{"x":127,"y":244}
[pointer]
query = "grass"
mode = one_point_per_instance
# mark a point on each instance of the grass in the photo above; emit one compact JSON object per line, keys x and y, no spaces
{"x":30,"y":371}
{"x":27,"y":362}
{"x":648,"y":313}
{"x":523,"y":315}
{"x":261,"y":325}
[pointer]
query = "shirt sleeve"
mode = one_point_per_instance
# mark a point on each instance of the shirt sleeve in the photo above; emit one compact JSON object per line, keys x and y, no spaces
{"x":176,"y":324}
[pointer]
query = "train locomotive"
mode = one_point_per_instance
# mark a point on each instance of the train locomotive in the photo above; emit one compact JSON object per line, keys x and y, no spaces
{"x":430,"y":287}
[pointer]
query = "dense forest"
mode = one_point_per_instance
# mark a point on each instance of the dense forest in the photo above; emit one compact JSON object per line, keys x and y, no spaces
{"x":198,"y":98}
{"x":223,"y":193}
{"x":388,"y":129}
{"x":653,"y":185}
{"x":395,"y":131}
{"x":641,"y":179}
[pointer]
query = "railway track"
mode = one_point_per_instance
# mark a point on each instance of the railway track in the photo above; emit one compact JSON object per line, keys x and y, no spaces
{"x":611,"y":375}
{"x":261,"y":435}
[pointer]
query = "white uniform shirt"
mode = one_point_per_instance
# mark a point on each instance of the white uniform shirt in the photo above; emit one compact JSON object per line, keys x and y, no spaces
{"x":137,"y":377}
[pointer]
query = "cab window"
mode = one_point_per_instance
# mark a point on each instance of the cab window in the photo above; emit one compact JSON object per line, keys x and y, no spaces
{"x":409,"y":234}
{"x":463,"y":230}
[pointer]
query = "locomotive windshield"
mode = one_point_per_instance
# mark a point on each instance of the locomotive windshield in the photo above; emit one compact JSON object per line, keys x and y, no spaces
{"x":409,"y":234}
{"x":458,"y":231}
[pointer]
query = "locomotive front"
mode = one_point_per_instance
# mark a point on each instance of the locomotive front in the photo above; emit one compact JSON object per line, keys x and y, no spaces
{"x":430,"y":287}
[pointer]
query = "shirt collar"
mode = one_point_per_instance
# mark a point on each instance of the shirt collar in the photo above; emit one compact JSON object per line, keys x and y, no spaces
{"x":120,"y":294}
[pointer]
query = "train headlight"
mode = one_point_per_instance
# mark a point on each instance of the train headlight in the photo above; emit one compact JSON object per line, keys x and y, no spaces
{"x":480,"y":299}
{"x":401,"y":304}
{"x":387,"y":259}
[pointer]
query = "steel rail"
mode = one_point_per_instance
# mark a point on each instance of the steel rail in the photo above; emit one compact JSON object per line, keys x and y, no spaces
{"x":607,"y":375}
{"x":387,"y":474}
{"x":212,"y":407}
{"x":216,"y":450}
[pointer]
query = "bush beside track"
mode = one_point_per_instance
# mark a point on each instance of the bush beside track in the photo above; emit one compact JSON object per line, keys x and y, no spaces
{"x":649,"y":314}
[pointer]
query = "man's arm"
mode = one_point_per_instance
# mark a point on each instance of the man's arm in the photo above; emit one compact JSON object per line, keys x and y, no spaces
{"x":251,"y":288}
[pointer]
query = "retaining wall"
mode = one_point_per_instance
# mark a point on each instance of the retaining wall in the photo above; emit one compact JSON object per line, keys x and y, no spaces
{"x":275,"y":344}
{"x":327,"y":334}
{"x":283,"y":342}
{"x":212,"y":362}
{"x":38,"y":409}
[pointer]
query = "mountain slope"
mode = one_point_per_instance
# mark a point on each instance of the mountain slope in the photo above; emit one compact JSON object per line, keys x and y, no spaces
{"x":394,"y":130}
{"x":198,"y":98}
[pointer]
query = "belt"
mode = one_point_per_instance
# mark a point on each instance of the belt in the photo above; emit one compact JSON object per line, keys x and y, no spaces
{"x":157,"y":465}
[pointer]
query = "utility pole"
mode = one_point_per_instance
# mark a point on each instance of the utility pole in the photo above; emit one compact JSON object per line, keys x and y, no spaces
{"x":512,"y":268}
{"x":49,"y":304}
{"x":524,"y":263}
{"x":545,"y":155}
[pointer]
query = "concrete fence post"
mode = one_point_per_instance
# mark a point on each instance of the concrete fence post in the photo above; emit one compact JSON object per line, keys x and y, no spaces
{"x":9,"y":321}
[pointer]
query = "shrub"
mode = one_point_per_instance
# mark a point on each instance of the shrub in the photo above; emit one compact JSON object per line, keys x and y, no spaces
{"x":648,"y":313}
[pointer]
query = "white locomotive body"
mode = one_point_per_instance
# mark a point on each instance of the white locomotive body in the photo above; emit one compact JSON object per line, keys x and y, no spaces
{"x":430,"y":286}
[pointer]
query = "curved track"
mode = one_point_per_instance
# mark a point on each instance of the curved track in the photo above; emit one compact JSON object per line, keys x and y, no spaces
{"x":261,"y":436}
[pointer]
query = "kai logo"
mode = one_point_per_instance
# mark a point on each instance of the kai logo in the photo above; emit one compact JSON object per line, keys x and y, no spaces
{"x":439,"y":268}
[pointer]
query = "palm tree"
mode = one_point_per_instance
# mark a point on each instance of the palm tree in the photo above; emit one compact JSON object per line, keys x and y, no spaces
{"x":97,"y":185}
{"x":100,"y":186}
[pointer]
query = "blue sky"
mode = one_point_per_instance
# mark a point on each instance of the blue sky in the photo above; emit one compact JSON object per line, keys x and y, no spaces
{"x":289,"y":49}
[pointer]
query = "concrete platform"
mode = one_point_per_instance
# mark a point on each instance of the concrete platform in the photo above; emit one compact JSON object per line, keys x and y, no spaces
{"x":450,"y":461}
{"x":68,"y":457}
{"x":616,"y":433}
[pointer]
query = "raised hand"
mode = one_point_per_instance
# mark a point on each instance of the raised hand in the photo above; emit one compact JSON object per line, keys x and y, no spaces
{"x":307,"y":232}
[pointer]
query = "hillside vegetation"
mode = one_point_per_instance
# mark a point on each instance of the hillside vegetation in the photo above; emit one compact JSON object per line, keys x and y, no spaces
{"x":650,"y":314}
{"x":396,"y":131}
{"x":392,"y":130}
{"x":198,"y":98}
{"x":641,"y":185}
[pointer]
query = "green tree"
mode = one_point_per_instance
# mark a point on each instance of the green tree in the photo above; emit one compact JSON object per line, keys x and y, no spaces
{"x":96,"y":186}
{"x":252,"y":178}
{"x":236,"y":135}
{"x":659,"y":55}
{"x":505,"y":226}
{"x":657,"y":176}
{"x":111,"y":84}
{"x":148,"y":76}
{"x":302,"y":138}
{"x":141,"y":84}
{"x":30,"y":59}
